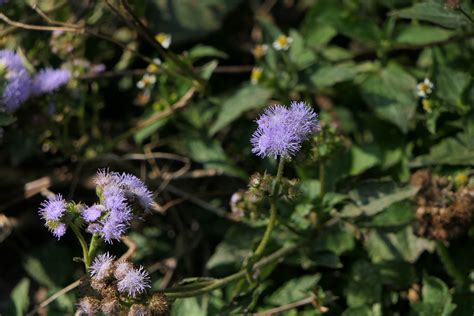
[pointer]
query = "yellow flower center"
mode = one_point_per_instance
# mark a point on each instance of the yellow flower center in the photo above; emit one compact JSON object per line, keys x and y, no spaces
{"x":152,"y":68}
{"x":259,"y":51}
{"x":282,"y":40}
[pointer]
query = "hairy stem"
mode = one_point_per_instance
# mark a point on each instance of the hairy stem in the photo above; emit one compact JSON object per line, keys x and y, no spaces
{"x":82,"y":241}
{"x":177,"y":292}
{"x":273,"y":211}
{"x":93,"y":248}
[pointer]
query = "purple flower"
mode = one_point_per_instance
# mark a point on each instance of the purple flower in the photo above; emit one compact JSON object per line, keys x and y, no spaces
{"x":18,"y":82}
{"x":282,"y":130}
{"x":136,"y":189}
{"x":48,"y":80}
{"x":93,"y":213}
{"x":121,"y":269}
{"x":102,"y":266}
{"x":53,"y":209}
{"x":59,"y":230}
{"x":134,"y":282}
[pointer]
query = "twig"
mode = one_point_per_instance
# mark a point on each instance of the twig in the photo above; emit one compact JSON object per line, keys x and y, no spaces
{"x":280,"y":309}
{"x":55,"y":296}
{"x":40,"y":27}
{"x":132,"y":248}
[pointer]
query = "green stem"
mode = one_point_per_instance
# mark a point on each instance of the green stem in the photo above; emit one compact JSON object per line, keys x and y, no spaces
{"x":82,"y":241}
{"x":448,"y":263}
{"x":274,"y":257}
{"x":273,"y":211}
{"x":322,"y":178}
{"x":93,"y":248}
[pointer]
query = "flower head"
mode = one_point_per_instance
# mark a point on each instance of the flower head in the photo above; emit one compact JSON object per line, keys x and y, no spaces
{"x":282,"y":130}
{"x":282,"y":42}
{"x":424,"y":88}
{"x":102,"y":266}
{"x":88,"y":305}
{"x":121,"y":269}
{"x":48,"y":80}
{"x":135,"y":189}
{"x":93,"y":213}
{"x":53,"y":209}
{"x":18,"y":86}
{"x":259,"y":51}
{"x":134,"y":282}
{"x":164,"y":39}
{"x":146,"y":81}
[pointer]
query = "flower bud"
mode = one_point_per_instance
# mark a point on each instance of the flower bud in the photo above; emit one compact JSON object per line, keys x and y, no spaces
{"x":88,"y":305}
{"x":158,"y":304}
{"x":110,"y":306}
{"x":139,"y":310}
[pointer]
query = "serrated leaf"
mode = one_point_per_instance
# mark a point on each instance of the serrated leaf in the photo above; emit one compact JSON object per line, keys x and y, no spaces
{"x":365,"y":286}
{"x":436,"y":299}
{"x":403,"y":245}
{"x":247,"y":98}
{"x":293,"y":290}
{"x":20,"y":297}
{"x":374,"y":197}
{"x":391,"y":94}
{"x":435,"y":12}
{"x":330,"y":75}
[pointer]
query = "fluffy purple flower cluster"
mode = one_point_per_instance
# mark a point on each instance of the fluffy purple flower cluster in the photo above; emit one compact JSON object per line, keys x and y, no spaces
{"x":19,"y":84}
{"x":281,"y":130}
{"x":52,"y":211}
{"x":111,"y":218}
{"x":130,"y":281}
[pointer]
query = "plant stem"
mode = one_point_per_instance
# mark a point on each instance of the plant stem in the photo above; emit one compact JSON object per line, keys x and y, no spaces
{"x":82,"y":241}
{"x":448,"y":263}
{"x":322,"y":178}
{"x":273,"y":211}
{"x":277,"y":255}
{"x":92,"y":248}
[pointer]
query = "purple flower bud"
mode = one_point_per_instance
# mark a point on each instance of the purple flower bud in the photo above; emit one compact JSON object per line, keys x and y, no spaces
{"x":18,"y":87}
{"x":53,"y":209}
{"x":282,"y":130}
{"x":135,"y":282}
{"x":102,"y":266}
{"x":48,"y":80}
{"x":93,"y":213}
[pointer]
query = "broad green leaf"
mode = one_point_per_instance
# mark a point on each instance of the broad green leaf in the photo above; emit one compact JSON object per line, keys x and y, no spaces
{"x":397,"y":214}
{"x":6,"y":119}
{"x":397,"y":274}
{"x":299,"y":54}
{"x":458,"y":150}
{"x":434,"y":11}
{"x":337,"y":238}
{"x":402,"y":245}
{"x":391,"y":94}
{"x":34,"y":267}
{"x":247,"y":98}
{"x":294,"y":290}
{"x":365,"y":31}
{"x":188,"y":306}
{"x":436,"y":299}
{"x":362,"y":159}
{"x":422,"y":35}
{"x":362,"y":310}
{"x":20,"y":296}
{"x":450,"y":84}
{"x":330,"y":75}
{"x":373,"y":197}
{"x":365,"y":286}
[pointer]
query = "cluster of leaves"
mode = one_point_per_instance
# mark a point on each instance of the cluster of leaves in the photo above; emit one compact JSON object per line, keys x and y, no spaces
{"x":357,"y":62}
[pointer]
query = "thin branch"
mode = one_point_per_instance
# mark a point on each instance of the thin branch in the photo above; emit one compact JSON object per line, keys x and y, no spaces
{"x":281,"y":309}
{"x":40,"y":27}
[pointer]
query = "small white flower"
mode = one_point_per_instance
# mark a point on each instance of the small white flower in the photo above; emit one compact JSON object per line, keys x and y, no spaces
{"x":424,"y":88}
{"x":146,"y":81}
{"x":260,"y":50}
{"x":283,"y":42}
{"x":164,"y":39}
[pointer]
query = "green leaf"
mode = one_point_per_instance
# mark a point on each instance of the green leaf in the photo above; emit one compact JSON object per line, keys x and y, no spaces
{"x":201,"y":51}
{"x":363,"y":310}
{"x":362,"y":159}
{"x":422,"y":35}
{"x":247,"y":98}
{"x":436,"y":299}
{"x":293,"y":290}
{"x":20,"y":297}
{"x":403,"y":245}
{"x":299,"y":54}
{"x":147,"y":131}
{"x":397,"y":214}
{"x":458,"y":150}
{"x":35,"y":269}
{"x":391,"y":94}
{"x":364,"y":286}
{"x":6,"y":119}
{"x":373,"y":197}
{"x":337,"y":238}
{"x":435,"y":12}
{"x":330,"y":75}
{"x":188,"y":306}
{"x":450,"y":84}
